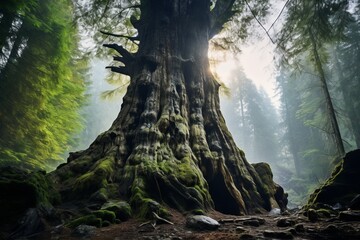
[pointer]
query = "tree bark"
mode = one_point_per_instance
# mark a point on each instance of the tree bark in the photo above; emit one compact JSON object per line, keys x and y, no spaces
{"x":330,"y":108}
{"x":169,"y":143}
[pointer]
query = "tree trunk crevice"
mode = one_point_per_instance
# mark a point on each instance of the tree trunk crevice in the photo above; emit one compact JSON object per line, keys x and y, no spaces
{"x":169,"y":145}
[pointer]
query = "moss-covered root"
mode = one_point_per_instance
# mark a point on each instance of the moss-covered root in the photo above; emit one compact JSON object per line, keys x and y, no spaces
{"x":100,"y":218}
{"x":154,"y":190}
{"x":21,"y":190}
{"x":272,"y":194}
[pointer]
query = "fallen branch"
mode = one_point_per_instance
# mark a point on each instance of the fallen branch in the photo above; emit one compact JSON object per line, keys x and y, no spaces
{"x":158,"y":218}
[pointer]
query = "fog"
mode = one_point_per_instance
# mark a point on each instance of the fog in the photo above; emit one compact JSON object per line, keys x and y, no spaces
{"x":99,"y":113}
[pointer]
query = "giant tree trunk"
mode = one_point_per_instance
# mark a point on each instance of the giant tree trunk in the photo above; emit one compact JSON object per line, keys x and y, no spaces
{"x":169,"y":143}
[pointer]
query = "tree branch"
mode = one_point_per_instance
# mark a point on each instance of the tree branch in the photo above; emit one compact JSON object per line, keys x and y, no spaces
{"x":133,"y":39}
{"x":258,"y":21}
{"x":120,"y":69}
{"x":125,"y":53}
{"x":221,"y":13}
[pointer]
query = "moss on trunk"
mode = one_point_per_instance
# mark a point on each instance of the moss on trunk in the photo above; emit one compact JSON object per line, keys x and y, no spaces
{"x":169,"y":145}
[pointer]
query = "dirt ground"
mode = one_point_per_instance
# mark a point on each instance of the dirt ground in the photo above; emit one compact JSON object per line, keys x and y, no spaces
{"x":294,"y":226}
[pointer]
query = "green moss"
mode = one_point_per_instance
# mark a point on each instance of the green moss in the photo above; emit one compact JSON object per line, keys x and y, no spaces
{"x":121,"y":209}
{"x":91,"y":220}
{"x":96,"y":178}
{"x":325,"y":213}
{"x":105,"y":215}
{"x":198,"y":212}
{"x":106,"y":223}
{"x":105,"y":167}
{"x":143,"y":205}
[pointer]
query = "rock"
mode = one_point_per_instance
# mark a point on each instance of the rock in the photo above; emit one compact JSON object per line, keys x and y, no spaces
{"x":349,"y":216}
{"x":278,"y":234}
{"x":285,"y":222}
{"x":22,"y":190}
{"x":312,"y":215}
{"x":240,"y":229}
{"x":343,"y":185}
{"x":278,"y":198}
{"x":201,"y":222}
{"x":275,"y":211}
{"x":121,"y":209}
{"x":29,"y":224}
{"x":84,"y":231}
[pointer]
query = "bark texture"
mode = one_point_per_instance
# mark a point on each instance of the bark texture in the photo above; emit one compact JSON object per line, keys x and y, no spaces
{"x":169,"y":145}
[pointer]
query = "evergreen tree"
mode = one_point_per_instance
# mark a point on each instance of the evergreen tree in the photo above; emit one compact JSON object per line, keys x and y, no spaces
{"x":41,"y":83}
{"x":309,"y":25}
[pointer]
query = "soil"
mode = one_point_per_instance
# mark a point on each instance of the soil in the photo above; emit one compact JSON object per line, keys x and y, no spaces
{"x":294,"y":226}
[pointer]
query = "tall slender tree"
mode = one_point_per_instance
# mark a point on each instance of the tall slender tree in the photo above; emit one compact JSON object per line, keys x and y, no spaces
{"x":308,"y":27}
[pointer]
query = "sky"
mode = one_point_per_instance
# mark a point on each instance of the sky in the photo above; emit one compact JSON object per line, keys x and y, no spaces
{"x":257,"y":62}
{"x":257,"y":55}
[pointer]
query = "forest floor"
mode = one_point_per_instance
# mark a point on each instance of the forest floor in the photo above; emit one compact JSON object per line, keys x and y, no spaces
{"x":294,"y":226}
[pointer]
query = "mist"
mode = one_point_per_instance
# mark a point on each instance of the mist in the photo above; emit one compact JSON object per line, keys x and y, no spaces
{"x":99,"y":113}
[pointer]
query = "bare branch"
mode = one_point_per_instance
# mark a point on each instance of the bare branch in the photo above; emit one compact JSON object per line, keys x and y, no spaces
{"x":125,"y":53}
{"x":133,"y":39}
{"x":277,"y":18}
{"x":221,"y":13}
{"x":120,"y":69}
{"x":262,"y":26}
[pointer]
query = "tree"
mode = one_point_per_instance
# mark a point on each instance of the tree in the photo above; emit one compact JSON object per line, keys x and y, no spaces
{"x":308,"y":27}
{"x":169,"y":143}
{"x":256,"y":120}
{"x":344,"y":58}
{"x":41,"y":83}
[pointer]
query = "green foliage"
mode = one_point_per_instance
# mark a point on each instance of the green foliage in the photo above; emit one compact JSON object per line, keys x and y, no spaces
{"x":42,"y":85}
{"x":311,"y":31}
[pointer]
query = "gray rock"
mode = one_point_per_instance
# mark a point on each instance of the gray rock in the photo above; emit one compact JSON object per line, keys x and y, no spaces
{"x":84,"y":231}
{"x":201,"y":222}
{"x":275,"y":211}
